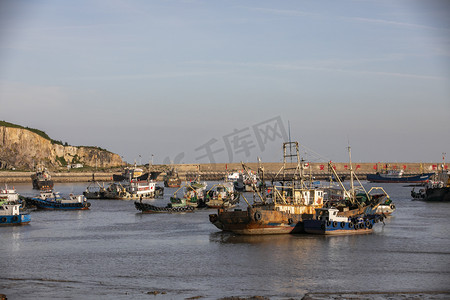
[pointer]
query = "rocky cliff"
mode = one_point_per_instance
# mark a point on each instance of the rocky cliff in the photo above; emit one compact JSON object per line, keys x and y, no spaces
{"x":21,"y":148}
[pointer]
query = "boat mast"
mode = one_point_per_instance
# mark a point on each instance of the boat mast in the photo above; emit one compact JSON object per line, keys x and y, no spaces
{"x":443,"y":161}
{"x":352,"y":187}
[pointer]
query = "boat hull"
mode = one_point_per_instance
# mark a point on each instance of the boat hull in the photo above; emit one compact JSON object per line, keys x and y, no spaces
{"x":144,"y":177}
{"x":21,"y":219}
{"x":57,"y":205}
{"x":257,"y":221}
{"x":339,"y":228}
{"x":42,"y":184}
{"x":433,"y":195}
{"x":172,"y":183}
{"x":146,"y":208}
{"x":379,"y":178}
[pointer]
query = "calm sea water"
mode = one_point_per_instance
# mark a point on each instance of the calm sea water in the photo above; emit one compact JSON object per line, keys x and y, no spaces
{"x":114,"y":252}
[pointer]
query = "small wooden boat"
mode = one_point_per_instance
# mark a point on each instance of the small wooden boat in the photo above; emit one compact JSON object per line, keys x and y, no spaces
{"x":53,"y":200}
{"x":328,"y":222}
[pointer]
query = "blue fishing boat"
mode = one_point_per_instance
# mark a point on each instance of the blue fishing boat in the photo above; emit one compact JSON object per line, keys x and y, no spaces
{"x":328,"y":222}
{"x":10,"y":214}
{"x":394,"y":176}
{"x":53,"y":200}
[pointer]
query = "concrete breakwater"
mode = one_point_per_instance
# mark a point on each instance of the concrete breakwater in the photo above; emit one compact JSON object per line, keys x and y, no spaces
{"x":219,"y":171}
{"x":11,"y":177}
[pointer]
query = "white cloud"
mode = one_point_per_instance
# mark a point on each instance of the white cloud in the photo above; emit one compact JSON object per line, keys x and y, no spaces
{"x":388,"y":22}
{"x":326,"y":66}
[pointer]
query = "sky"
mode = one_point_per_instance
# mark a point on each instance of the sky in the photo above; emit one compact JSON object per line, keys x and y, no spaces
{"x":227,"y":81}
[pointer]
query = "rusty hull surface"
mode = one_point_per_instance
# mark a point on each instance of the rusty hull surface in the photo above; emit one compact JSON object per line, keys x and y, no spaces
{"x":262,"y":219}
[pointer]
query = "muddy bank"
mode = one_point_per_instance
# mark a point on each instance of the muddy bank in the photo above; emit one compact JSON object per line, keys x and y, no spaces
{"x":437,"y":295}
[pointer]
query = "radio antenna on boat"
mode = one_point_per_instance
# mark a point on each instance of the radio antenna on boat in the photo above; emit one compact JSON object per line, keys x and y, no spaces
{"x":290,"y":142}
{"x":351,"y":169}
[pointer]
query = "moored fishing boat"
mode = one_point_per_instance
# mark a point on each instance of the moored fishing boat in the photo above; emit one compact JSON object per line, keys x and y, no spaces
{"x":277,"y":209}
{"x":135,"y":173}
{"x":95,"y":191}
{"x":171,"y":179}
{"x":356,"y":200}
{"x":53,"y":200}
{"x":327,"y":222}
{"x":194,"y":194}
{"x":221,"y":195}
{"x":11,"y":214}
{"x":42,"y":180}
{"x":9,"y":194}
{"x":147,"y":208}
{"x":134,"y":185}
{"x":436,"y":190}
{"x":243,"y":181}
{"x":396,"y":176}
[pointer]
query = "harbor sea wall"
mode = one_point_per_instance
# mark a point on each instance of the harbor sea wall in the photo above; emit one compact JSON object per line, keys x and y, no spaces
{"x":11,"y":177}
{"x":317,"y":170}
{"x":218,"y":171}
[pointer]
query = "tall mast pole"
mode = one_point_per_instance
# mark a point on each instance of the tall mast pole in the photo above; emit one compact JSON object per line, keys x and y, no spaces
{"x":351,"y":171}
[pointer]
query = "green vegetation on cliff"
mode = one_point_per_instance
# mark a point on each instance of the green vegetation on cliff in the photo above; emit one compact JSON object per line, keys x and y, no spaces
{"x":45,"y":136}
{"x":37,"y":131}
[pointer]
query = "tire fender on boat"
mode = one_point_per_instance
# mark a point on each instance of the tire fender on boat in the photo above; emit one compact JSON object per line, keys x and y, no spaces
{"x":15,"y":218}
{"x":290,"y":221}
{"x":334,"y":224}
{"x":213,"y":218}
{"x":343,"y":224}
{"x":392,"y":206}
{"x":3,"y":220}
{"x":257,"y":215}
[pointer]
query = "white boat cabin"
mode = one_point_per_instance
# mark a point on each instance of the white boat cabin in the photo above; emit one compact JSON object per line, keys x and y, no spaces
{"x":10,"y":210}
{"x":329,"y":214}
{"x":9,"y":194}
{"x":300,"y":196}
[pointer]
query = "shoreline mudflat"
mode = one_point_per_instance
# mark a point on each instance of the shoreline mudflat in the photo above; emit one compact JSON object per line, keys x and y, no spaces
{"x":435,"y":295}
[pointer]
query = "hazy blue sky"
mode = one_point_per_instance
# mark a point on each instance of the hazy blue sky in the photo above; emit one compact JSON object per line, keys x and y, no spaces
{"x":173,"y":78}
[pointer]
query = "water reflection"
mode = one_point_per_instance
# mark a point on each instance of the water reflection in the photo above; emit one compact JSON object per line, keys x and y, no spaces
{"x":231,"y":238}
{"x":186,"y":256}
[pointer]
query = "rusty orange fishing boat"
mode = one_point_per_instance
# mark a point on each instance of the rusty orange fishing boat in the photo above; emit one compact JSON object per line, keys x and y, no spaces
{"x":276,"y":209}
